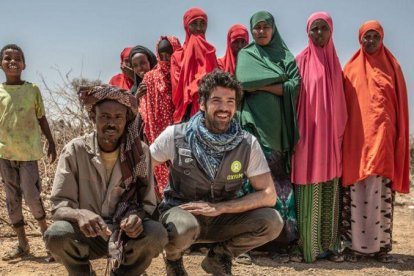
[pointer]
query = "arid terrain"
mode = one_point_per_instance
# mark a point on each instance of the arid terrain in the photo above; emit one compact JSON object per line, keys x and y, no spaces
{"x":403,"y":252}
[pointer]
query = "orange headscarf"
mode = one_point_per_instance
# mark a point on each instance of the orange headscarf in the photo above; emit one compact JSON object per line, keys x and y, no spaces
{"x":189,"y":65}
{"x":376,"y":137}
{"x":228,"y":62}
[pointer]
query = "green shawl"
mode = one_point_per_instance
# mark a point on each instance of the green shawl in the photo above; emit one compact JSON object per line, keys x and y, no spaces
{"x":271,"y":118}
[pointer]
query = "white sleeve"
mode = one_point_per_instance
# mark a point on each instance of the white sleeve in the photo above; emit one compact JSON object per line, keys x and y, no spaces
{"x":162,"y":149}
{"x":257,"y":162}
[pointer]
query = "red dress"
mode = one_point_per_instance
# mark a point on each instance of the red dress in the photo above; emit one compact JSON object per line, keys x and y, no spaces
{"x":189,"y":65}
{"x":156,"y":107}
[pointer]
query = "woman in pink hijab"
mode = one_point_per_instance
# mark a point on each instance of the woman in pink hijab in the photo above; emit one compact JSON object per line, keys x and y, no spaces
{"x":317,"y":162}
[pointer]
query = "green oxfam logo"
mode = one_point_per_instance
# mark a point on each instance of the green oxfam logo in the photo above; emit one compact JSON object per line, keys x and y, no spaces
{"x":236,"y":166}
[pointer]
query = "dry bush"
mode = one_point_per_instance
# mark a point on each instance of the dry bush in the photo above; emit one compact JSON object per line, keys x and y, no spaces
{"x":66,"y":117}
{"x":67,"y":120}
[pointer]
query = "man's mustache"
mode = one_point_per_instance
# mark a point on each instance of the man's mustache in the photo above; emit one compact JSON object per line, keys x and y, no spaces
{"x":110,"y":128}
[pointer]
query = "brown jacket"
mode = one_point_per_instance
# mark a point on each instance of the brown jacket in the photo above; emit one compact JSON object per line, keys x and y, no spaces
{"x":81,"y":181}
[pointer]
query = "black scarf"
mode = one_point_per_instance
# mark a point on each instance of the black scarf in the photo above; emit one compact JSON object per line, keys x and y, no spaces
{"x":151,"y":58}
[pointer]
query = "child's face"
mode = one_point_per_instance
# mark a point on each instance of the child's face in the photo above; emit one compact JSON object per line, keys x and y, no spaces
{"x":12,"y":63}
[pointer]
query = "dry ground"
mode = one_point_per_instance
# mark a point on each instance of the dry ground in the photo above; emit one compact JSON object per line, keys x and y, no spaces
{"x":403,"y":252}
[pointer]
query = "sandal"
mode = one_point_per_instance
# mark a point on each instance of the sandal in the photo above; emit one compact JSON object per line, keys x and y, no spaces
{"x":280,"y":258}
{"x":336,"y":258}
{"x":350,"y":257}
{"x":384,"y":257}
{"x":16,"y":252}
{"x":296,"y":258}
{"x":296,"y":255}
{"x":244,"y":259}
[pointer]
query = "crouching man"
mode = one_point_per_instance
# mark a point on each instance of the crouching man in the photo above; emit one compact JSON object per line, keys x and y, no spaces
{"x":210,"y":158}
{"x":103,"y":191}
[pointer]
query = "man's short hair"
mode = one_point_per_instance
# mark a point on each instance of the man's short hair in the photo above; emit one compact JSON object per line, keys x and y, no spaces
{"x":12,"y":47}
{"x":218,"y":78}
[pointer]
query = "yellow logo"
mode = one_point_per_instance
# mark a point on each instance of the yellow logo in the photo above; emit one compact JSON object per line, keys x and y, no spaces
{"x":236,"y":166}
{"x":234,"y":176}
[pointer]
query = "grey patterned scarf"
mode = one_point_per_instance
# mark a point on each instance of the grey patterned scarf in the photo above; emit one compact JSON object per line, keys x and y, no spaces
{"x":209,"y":148}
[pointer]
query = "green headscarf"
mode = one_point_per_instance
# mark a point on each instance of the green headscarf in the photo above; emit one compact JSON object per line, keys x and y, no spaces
{"x":271,"y":118}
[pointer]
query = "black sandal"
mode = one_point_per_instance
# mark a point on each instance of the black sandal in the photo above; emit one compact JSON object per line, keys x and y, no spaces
{"x":350,"y":257}
{"x":336,"y":258}
{"x":384,"y":257}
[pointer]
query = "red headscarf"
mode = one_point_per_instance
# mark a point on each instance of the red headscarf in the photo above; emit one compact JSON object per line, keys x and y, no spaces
{"x":321,"y":109}
{"x":228,"y":62}
{"x":156,"y":107}
{"x":376,"y":140}
{"x":189,"y":65}
{"x":121,"y":80}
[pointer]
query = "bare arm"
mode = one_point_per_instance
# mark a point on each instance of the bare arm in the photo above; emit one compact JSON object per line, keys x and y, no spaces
{"x":90,"y":224}
{"x":264,"y":196}
{"x":44,"y":126}
{"x":66,"y":213}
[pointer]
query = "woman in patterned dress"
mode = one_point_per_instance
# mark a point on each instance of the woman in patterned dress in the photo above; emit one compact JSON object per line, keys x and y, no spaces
{"x":156,"y":107}
{"x":376,"y":145}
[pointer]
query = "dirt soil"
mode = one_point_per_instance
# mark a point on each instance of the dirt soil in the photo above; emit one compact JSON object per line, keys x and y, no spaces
{"x":403,"y":252}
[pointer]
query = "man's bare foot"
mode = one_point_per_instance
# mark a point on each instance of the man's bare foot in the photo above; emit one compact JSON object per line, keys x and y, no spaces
{"x":16,"y":252}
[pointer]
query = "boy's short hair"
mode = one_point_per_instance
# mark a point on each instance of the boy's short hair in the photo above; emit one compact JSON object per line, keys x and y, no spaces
{"x":218,"y":78}
{"x":12,"y":47}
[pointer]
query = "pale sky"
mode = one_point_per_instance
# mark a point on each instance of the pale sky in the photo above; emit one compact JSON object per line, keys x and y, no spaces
{"x":86,"y":37}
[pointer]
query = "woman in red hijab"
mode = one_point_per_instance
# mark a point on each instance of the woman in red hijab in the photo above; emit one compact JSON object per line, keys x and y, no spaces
{"x":155,"y":106}
{"x":124,"y":80}
{"x":237,"y":38}
{"x":190,"y":64}
{"x":375,"y":148}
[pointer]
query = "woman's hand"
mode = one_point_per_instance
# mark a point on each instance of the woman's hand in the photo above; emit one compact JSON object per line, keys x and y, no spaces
{"x":128,"y":71}
{"x":142,"y":90}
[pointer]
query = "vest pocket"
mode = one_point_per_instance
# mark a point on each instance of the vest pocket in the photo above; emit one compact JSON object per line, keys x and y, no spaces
{"x":186,"y":162}
{"x":230,"y":189}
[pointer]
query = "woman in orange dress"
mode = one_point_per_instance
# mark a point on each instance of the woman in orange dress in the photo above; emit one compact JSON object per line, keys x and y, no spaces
{"x":375,"y":148}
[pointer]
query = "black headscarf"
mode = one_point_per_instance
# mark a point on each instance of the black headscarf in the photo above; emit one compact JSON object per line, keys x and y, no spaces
{"x":151,"y":58}
{"x":165,"y":47}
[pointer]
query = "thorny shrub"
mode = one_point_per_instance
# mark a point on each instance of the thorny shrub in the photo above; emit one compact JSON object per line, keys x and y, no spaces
{"x":67,"y":120}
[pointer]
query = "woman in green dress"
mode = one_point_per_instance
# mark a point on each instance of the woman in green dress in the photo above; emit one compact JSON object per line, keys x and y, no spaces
{"x":268,"y":73}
